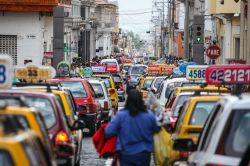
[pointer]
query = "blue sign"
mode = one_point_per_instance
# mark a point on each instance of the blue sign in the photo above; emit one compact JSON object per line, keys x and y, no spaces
{"x":87,"y":71}
{"x":98,"y":69}
{"x":177,"y":71}
{"x":183,"y":67}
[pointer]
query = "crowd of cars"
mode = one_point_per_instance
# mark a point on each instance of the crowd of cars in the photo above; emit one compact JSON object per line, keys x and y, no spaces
{"x":42,"y":117}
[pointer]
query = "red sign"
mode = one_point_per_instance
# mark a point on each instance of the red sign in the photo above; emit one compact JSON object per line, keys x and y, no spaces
{"x":213,"y":52}
{"x":228,"y":74}
{"x":111,"y":69}
{"x":154,"y":69}
{"x":236,"y":61}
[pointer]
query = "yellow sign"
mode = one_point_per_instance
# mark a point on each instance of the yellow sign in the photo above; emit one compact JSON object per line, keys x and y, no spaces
{"x":5,"y":72}
{"x":33,"y":73}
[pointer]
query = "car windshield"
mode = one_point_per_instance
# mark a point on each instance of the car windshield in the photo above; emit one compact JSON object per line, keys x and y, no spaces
{"x":44,"y":106}
{"x":117,"y":79}
{"x":180,"y":102}
{"x":236,"y":135}
{"x":147,"y":84}
{"x":98,"y":89}
{"x":201,"y":113}
{"x":138,"y":69}
{"x":76,"y":88}
{"x":158,"y":82}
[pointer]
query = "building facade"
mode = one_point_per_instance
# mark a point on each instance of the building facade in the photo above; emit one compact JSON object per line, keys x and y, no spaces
{"x":226,"y":14}
{"x":26,"y":31}
{"x":106,"y":15}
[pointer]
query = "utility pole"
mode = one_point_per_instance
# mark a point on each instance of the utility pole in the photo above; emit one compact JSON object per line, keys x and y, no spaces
{"x":162,"y":31}
{"x":186,"y":31}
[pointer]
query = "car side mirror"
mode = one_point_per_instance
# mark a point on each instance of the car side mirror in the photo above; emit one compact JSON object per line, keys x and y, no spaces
{"x":184,"y":145}
{"x":78,"y":125}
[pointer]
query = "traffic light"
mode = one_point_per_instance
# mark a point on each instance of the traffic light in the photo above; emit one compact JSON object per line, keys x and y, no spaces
{"x":198,"y":34}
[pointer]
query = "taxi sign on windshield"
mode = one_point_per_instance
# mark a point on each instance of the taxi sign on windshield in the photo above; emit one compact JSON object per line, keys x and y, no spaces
{"x":196,"y":72}
{"x":33,"y":73}
{"x":5,"y":73}
{"x":228,"y":74}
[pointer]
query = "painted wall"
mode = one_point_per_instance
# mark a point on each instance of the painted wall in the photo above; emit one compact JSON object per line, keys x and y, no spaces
{"x":24,"y":25}
{"x":230,"y":6}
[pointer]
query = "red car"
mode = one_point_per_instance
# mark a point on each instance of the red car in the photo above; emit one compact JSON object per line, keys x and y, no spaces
{"x":55,"y":121}
{"x":89,"y":108}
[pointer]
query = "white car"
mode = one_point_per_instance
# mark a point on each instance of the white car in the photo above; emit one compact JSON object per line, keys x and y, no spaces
{"x":102,"y":94}
{"x":226,"y":134}
{"x":109,"y":62}
{"x":166,"y":87}
{"x":155,"y":85}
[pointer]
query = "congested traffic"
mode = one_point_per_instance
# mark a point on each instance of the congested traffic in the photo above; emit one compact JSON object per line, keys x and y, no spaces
{"x":43,"y":111}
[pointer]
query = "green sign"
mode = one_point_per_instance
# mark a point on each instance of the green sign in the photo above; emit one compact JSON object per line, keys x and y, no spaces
{"x":87,"y":71}
{"x":63,"y":68}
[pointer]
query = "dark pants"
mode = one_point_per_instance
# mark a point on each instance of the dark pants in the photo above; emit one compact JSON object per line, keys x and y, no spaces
{"x":139,"y":159}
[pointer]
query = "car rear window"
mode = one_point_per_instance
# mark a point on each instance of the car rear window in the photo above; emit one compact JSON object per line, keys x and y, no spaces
{"x":138,"y":69}
{"x":201,"y":112}
{"x":147,"y":84}
{"x":44,"y":106}
{"x":236,"y":135}
{"x":98,"y":89}
{"x":180,"y":102}
{"x":5,"y":158}
{"x":158,"y":82}
{"x":76,"y":87}
{"x":109,"y":63}
{"x":106,"y":81}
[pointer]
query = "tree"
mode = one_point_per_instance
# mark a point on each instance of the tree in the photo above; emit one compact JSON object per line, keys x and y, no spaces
{"x":138,"y":42}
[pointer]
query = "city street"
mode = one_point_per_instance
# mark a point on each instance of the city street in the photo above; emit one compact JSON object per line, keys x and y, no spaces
{"x":89,"y":154}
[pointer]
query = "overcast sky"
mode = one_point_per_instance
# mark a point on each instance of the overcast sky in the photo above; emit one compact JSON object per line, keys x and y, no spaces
{"x":131,"y":17}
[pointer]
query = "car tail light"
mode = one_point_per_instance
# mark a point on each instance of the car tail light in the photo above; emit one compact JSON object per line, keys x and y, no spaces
{"x":112,"y":91}
{"x":92,"y":108}
{"x":62,"y":137}
{"x":128,"y":78}
{"x":106,"y":105}
{"x":184,"y":155}
{"x":211,"y":164}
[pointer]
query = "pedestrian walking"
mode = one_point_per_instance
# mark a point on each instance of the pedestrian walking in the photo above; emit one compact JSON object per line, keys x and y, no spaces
{"x":134,"y":127}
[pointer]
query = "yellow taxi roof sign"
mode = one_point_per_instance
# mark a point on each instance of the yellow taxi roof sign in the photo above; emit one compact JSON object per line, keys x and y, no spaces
{"x":33,"y":73}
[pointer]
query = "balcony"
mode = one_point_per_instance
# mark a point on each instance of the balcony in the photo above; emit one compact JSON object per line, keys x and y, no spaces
{"x":32,"y":5}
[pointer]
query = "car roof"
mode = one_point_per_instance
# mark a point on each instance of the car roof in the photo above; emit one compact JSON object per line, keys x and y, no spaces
{"x":239,"y":102}
{"x":108,"y":60}
{"x":95,"y":81}
{"x":14,"y":91}
{"x":65,"y":79}
{"x":205,"y":98}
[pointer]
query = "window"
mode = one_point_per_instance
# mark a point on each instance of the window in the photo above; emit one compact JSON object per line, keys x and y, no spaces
{"x":181,"y":116}
{"x":237,"y":47}
{"x":8,"y":45}
{"x":236,"y":134}
{"x":200,"y":113}
{"x":180,"y":102}
{"x":76,"y":88}
{"x":5,"y":158}
{"x":44,"y":106}
{"x":158,"y":82}
{"x":98,"y":89}
{"x":117,"y":79}
{"x":106,"y":81}
{"x":147,"y":84}
{"x":138,"y":69}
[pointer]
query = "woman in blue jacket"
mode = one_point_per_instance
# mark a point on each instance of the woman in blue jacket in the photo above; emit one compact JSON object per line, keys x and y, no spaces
{"x":134,"y":127}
